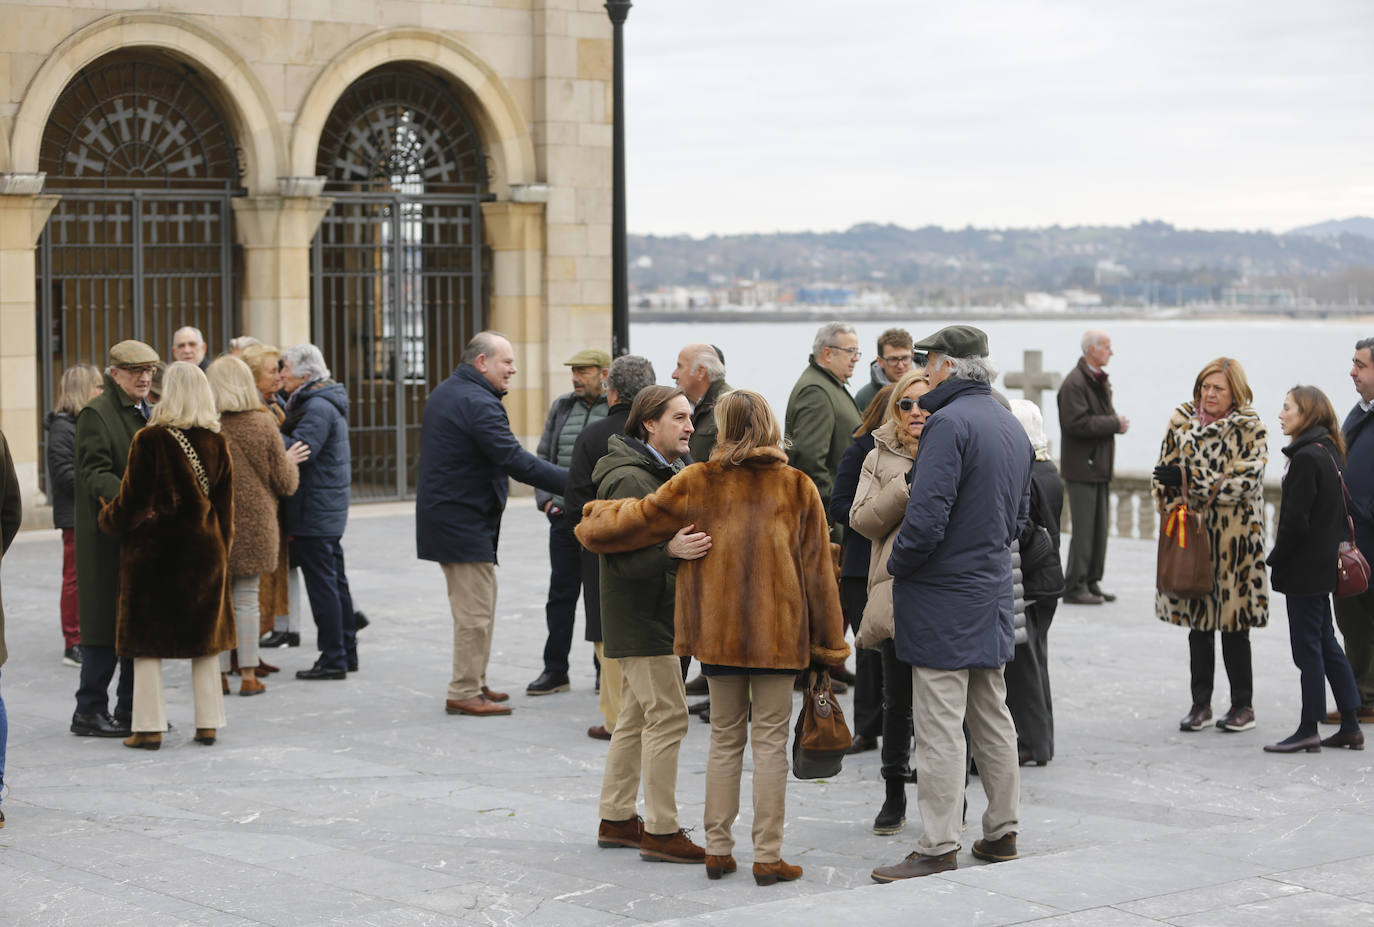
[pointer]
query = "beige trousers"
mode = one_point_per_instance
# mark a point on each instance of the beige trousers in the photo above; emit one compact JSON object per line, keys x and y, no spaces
{"x":150,"y":703}
{"x":649,"y":731}
{"x":730,"y":727}
{"x":942,"y":700}
{"x":610,"y":686}
{"x":244,"y":591}
{"x":472,"y":599}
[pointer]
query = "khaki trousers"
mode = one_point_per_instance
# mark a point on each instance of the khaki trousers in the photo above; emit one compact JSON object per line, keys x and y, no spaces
{"x":244,"y":591}
{"x":472,"y":599}
{"x":150,"y":703}
{"x":649,"y":731}
{"x":610,"y":686}
{"x":730,"y":727}
{"x":942,"y":700}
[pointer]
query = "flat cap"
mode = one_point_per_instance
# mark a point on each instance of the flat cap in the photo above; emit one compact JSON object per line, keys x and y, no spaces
{"x":132,"y":354}
{"x":589,"y":357}
{"x":956,"y":341}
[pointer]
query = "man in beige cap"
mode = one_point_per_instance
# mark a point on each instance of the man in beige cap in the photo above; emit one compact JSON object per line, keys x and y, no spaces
{"x":568,"y":416}
{"x":105,"y":428}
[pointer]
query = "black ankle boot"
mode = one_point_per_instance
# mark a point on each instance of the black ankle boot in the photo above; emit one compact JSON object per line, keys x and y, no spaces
{"x":893,"y":814}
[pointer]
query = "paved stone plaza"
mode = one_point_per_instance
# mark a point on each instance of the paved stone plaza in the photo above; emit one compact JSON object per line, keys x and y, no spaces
{"x":362,"y":803}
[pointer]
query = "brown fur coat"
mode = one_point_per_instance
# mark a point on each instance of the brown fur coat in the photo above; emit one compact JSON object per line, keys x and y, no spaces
{"x":262,"y":472}
{"x":174,"y":552}
{"x":766,"y":595}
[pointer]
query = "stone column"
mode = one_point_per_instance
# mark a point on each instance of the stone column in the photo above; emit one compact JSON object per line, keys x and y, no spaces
{"x":23,"y":213}
{"x":276,"y":232}
{"x":515,"y":234}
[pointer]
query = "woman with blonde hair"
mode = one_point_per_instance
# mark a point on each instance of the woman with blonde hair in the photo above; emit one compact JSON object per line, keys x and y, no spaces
{"x":760,"y":606}
{"x":174,"y":516}
{"x":263,"y":471}
{"x":1219,"y":445}
{"x":80,"y":384}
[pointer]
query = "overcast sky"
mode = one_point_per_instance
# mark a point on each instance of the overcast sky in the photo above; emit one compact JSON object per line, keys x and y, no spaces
{"x":767,"y":115}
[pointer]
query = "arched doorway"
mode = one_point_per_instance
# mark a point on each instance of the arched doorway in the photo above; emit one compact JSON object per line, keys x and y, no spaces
{"x":398,"y":279}
{"x":142,"y":241}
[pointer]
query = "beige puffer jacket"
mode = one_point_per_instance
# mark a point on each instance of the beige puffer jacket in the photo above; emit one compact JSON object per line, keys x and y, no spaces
{"x":879,"y":505}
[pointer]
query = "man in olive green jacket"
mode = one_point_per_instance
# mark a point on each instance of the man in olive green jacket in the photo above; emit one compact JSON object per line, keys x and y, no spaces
{"x":105,"y":428}
{"x":821,"y":415}
{"x":700,"y":372}
{"x":637,"y":597}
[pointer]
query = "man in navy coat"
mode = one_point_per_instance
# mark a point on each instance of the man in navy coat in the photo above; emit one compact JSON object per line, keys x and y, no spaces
{"x":467,"y":454}
{"x":952,"y":600}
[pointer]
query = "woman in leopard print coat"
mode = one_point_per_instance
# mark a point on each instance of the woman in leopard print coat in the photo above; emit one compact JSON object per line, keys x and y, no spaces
{"x":1221,"y":444}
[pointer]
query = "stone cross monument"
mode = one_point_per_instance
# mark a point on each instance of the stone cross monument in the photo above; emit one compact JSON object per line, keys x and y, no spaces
{"x":1034,"y":380}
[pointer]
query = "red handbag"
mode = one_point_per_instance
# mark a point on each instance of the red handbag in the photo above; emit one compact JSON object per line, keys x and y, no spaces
{"x":1352,"y":568}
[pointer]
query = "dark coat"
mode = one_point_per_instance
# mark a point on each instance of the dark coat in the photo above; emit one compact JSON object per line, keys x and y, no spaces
{"x":317,"y":414}
{"x":951,"y":563}
{"x":262,"y":473}
{"x":855,"y":549}
{"x":877,"y":379}
{"x":1311,"y":518}
{"x":637,"y":587}
{"x":821,"y":421}
{"x":61,"y":460}
{"x":1088,"y":426}
{"x":105,"y":428}
{"x":568,"y":417}
{"x":174,"y":598}
{"x":1047,"y":497}
{"x":1359,"y":476}
{"x":703,"y":439}
{"x":590,"y":448}
{"x":11,"y":514}
{"x":467,"y":453}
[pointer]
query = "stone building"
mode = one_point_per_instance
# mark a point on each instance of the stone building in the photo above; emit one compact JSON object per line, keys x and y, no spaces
{"x":381,"y":177}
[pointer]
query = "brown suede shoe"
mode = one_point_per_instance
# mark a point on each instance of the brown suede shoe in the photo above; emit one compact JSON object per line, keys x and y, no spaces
{"x":670,"y":848}
{"x":495,"y":696}
{"x":599,"y":732}
{"x":144,"y":740}
{"x":1364,"y":713}
{"x":916,"y":865}
{"x":996,"y":851}
{"x":477,"y":705}
{"x":768,"y":873}
{"x":204,"y":735}
{"x":251,"y":686}
{"x":626,"y":833}
{"x":717,"y":866}
{"x":264,"y":668}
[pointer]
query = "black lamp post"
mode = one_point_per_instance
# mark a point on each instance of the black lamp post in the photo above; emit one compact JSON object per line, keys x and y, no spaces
{"x":620,"y":268}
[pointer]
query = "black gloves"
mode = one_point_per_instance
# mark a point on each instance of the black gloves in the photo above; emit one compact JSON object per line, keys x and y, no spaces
{"x":1169,"y":475}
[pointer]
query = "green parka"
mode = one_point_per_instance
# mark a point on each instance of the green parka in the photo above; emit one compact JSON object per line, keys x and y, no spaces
{"x":105,"y":428}
{"x":703,"y":439}
{"x":821,"y":420}
{"x":637,"y":588}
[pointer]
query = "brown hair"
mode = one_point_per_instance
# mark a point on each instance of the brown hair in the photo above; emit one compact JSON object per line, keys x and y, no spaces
{"x":894,"y":337}
{"x":78,"y":385}
{"x":1234,"y":373}
{"x":1315,"y":409}
{"x":875,"y":412}
{"x":914,"y":375}
{"x":649,"y":404}
{"x":745,"y":423}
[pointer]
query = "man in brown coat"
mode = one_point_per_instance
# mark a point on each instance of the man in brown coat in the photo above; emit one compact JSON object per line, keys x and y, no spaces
{"x":1088,"y":427}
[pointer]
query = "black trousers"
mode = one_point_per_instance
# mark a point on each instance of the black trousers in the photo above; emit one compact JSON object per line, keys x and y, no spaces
{"x":1318,"y":657}
{"x":1089,"y":504}
{"x":868,"y":664}
{"x":331,"y":603}
{"x":898,"y":732}
{"x":1235,"y":653}
{"x":1028,"y":684}
{"x":97,"y":669}
{"x":565,"y":585}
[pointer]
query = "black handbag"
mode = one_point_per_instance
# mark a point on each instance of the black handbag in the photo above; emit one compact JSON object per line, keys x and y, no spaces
{"x":1042,"y":575}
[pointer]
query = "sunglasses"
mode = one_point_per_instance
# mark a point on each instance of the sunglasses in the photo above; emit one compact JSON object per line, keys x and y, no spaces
{"x":906,"y":405}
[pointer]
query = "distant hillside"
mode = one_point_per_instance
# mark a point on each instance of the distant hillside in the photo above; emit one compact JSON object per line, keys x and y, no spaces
{"x":1356,"y":225}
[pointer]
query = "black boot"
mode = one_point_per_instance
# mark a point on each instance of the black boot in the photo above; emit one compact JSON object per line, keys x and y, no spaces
{"x":893,"y":814}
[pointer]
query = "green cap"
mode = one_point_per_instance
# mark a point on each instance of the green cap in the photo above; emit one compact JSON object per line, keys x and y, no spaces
{"x":589,"y":357}
{"x":956,"y":341}
{"x":132,"y":354}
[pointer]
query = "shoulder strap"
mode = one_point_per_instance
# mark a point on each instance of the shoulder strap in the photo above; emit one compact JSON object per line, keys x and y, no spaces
{"x":192,"y":457}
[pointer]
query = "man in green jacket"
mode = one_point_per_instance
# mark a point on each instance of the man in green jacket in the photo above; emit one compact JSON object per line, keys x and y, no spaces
{"x":821,"y":415}
{"x":637,"y":597}
{"x":700,"y":372}
{"x":105,"y":428}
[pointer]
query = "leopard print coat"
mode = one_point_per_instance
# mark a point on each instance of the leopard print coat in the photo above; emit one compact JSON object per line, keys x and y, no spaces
{"x":1231,"y":452}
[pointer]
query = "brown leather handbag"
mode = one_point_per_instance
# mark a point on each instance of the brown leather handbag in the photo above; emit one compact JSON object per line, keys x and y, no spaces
{"x":821,"y":736}
{"x":1352,"y":568}
{"x":1183,"y":567}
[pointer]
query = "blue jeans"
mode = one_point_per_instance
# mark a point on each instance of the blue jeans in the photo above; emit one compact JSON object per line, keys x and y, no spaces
{"x":326,"y":585}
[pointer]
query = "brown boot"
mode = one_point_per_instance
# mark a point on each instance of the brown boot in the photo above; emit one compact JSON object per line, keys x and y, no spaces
{"x":996,"y":851}
{"x":626,"y":833}
{"x":717,"y":866}
{"x":916,"y":865}
{"x":266,"y":669}
{"x":205,"y":735}
{"x":768,"y":873}
{"x":250,"y":684}
{"x":670,"y":848}
{"x":144,"y":740}
{"x":224,"y":683}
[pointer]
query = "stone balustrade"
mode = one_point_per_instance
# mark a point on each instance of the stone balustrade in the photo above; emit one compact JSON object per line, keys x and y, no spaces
{"x":1133,"y":513}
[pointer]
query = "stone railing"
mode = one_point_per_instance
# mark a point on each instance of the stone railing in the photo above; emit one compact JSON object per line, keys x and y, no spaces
{"x":1132,"y":512}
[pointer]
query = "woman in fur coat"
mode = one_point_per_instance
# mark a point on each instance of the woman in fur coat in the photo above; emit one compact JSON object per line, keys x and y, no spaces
{"x":262,"y":473}
{"x":760,"y":606}
{"x":1220,"y":444}
{"x":174,"y":515}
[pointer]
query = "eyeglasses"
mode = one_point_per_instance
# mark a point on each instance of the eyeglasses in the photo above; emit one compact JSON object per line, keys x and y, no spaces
{"x":906,"y":405}
{"x":138,"y":371}
{"x":852,"y":352}
{"x":897,"y":359}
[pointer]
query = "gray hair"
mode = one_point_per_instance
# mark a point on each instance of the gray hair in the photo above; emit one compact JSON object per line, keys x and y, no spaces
{"x":825,"y":338}
{"x":629,"y":374}
{"x":306,"y":361}
{"x":1366,"y":344}
{"x":1092,"y":338}
{"x":200,"y":335}
{"x":482,"y":343}
{"x":711,"y":363}
{"x":979,"y":369}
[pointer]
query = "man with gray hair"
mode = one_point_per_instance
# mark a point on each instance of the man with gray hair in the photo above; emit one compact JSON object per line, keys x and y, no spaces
{"x":188,"y":344}
{"x":821,"y":415}
{"x":700,"y":374}
{"x":953,"y":600}
{"x":1088,"y":426}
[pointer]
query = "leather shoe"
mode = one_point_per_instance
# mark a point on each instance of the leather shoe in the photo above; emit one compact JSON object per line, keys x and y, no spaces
{"x":1082,"y":597}
{"x":1311,"y":744}
{"x":1196,"y":718}
{"x":698,"y":685}
{"x":996,"y":851}
{"x":265,"y":668}
{"x":862,"y":744}
{"x":613,"y":834}
{"x":599,"y":732}
{"x":916,"y":865}
{"x":1362,"y":714}
{"x":1104,"y":596}
{"x":702,"y":708}
{"x":770,"y":873}
{"x":321,"y":672}
{"x":360,"y":621}
{"x":717,"y":866}
{"x":98,"y":725}
{"x":144,"y":740}
{"x":1352,"y":739}
{"x":495,"y":696}
{"x":670,"y":848}
{"x":280,"y":639}
{"x":477,"y":705}
{"x":548,"y":683}
{"x":352,"y":663}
